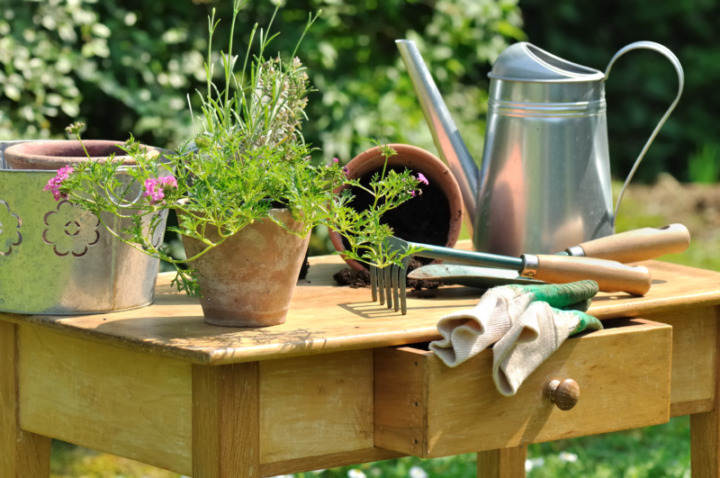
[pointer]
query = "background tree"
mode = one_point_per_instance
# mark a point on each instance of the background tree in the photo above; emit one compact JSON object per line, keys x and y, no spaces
{"x":127,"y":66}
{"x":642,"y":84}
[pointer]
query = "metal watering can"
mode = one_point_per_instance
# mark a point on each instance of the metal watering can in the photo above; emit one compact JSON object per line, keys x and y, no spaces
{"x":544,"y":183}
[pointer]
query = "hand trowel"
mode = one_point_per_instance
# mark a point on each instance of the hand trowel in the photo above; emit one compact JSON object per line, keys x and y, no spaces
{"x":630,"y":246}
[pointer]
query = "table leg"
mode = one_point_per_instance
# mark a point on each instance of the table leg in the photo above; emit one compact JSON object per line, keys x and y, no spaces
{"x":226,"y":421}
{"x":705,"y":430}
{"x":506,"y":462}
{"x":22,"y":454}
{"x":704,"y":445}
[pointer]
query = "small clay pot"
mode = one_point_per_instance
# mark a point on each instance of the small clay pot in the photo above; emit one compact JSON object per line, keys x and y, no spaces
{"x":249,"y":279}
{"x":434,"y":217}
{"x":54,"y":154}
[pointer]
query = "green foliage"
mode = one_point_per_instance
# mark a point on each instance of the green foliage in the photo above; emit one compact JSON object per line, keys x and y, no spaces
{"x":115,"y":66}
{"x":127,"y":66}
{"x":642,"y":84}
{"x":704,"y":166}
{"x":659,"y":451}
{"x":365,"y":89}
{"x":653,"y":452}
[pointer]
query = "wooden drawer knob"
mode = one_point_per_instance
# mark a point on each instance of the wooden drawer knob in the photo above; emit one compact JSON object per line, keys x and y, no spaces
{"x":563,"y":393}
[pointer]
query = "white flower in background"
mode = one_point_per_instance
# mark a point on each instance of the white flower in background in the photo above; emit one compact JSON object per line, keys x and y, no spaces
{"x":355,"y":473}
{"x":417,"y":472}
{"x":568,"y":457}
{"x":531,"y":463}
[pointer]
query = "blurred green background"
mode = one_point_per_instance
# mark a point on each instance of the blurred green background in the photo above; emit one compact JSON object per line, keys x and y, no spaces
{"x":128,"y":66}
{"x":131,"y":66}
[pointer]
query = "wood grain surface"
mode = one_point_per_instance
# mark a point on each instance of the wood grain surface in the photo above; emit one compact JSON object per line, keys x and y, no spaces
{"x":326,"y":318}
{"x":22,"y":453}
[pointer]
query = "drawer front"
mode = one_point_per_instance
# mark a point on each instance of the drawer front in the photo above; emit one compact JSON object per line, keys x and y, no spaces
{"x":426,"y":409}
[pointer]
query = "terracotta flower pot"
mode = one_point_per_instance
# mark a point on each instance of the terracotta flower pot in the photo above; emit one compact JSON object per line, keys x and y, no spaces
{"x":249,"y":279}
{"x":434,"y":217}
{"x":54,"y":154}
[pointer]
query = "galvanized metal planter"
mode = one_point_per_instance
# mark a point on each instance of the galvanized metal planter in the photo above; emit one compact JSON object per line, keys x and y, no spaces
{"x":57,"y":259}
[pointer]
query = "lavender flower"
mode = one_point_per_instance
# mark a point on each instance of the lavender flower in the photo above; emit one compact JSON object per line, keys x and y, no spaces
{"x":421,"y":177}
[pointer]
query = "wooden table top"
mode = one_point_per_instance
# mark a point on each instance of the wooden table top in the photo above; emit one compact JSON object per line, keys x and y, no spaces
{"x":326,"y":318}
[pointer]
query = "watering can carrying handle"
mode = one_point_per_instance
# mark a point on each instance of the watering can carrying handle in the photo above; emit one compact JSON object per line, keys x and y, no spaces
{"x":648,"y":45}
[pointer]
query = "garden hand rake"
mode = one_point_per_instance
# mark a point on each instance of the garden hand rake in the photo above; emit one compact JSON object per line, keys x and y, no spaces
{"x":390,"y":283}
{"x":630,"y":246}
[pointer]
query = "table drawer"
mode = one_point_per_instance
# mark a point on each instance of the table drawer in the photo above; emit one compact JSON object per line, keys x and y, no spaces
{"x":426,"y":409}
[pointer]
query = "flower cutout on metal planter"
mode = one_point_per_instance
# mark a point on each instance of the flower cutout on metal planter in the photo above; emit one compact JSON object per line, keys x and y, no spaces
{"x":10,"y":235}
{"x":71,"y":230}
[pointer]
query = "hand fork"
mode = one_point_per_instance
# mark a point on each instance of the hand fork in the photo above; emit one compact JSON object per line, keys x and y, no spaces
{"x":389,"y":284}
{"x":630,"y":246}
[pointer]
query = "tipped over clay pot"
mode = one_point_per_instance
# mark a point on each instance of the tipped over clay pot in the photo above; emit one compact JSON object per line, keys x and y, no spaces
{"x":433,"y":217}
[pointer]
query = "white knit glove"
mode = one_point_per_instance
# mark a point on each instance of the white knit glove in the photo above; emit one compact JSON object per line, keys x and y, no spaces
{"x":527,"y":323}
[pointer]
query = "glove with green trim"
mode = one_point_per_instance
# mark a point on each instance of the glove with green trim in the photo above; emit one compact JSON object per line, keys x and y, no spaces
{"x":527,"y":323}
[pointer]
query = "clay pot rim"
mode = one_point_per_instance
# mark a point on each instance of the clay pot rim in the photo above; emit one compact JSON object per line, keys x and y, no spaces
{"x":436,"y":171}
{"x":54,"y":154}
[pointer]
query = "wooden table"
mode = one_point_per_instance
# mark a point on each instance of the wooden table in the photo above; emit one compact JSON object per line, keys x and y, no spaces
{"x":343,"y":381}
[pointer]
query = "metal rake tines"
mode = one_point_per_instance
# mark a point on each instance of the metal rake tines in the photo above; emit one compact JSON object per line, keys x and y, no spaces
{"x":389,"y":285}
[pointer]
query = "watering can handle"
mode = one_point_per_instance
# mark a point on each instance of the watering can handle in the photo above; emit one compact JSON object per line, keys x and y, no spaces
{"x":648,"y":45}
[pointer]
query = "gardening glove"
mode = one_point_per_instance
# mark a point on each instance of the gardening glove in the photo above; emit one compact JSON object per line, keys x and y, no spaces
{"x":525,"y":322}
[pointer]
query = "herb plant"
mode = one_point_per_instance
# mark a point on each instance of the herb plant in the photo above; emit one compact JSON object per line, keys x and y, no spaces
{"x":248,"y":157}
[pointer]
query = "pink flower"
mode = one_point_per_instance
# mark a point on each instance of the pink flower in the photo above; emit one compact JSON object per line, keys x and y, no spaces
{"x":421,"y":177}
{"x":169,"y":181}
{"x":334,"y":162}
{"x":155,"y":188}
{"x":54,"y":184}
{"x":65,"y":171}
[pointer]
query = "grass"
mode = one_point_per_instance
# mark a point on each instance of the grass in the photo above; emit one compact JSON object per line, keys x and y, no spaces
{"x":652,"y":452}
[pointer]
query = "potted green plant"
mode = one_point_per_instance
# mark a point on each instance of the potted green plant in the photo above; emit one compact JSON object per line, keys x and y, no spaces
{"x":245,"y":190}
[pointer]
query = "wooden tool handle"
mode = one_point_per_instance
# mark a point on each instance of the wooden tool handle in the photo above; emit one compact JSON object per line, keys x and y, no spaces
{"x":639,"y":244}
{"x":611,"y":276}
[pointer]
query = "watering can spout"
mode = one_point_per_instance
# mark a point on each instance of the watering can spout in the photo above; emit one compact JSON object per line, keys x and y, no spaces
{"x":450,"y":145}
